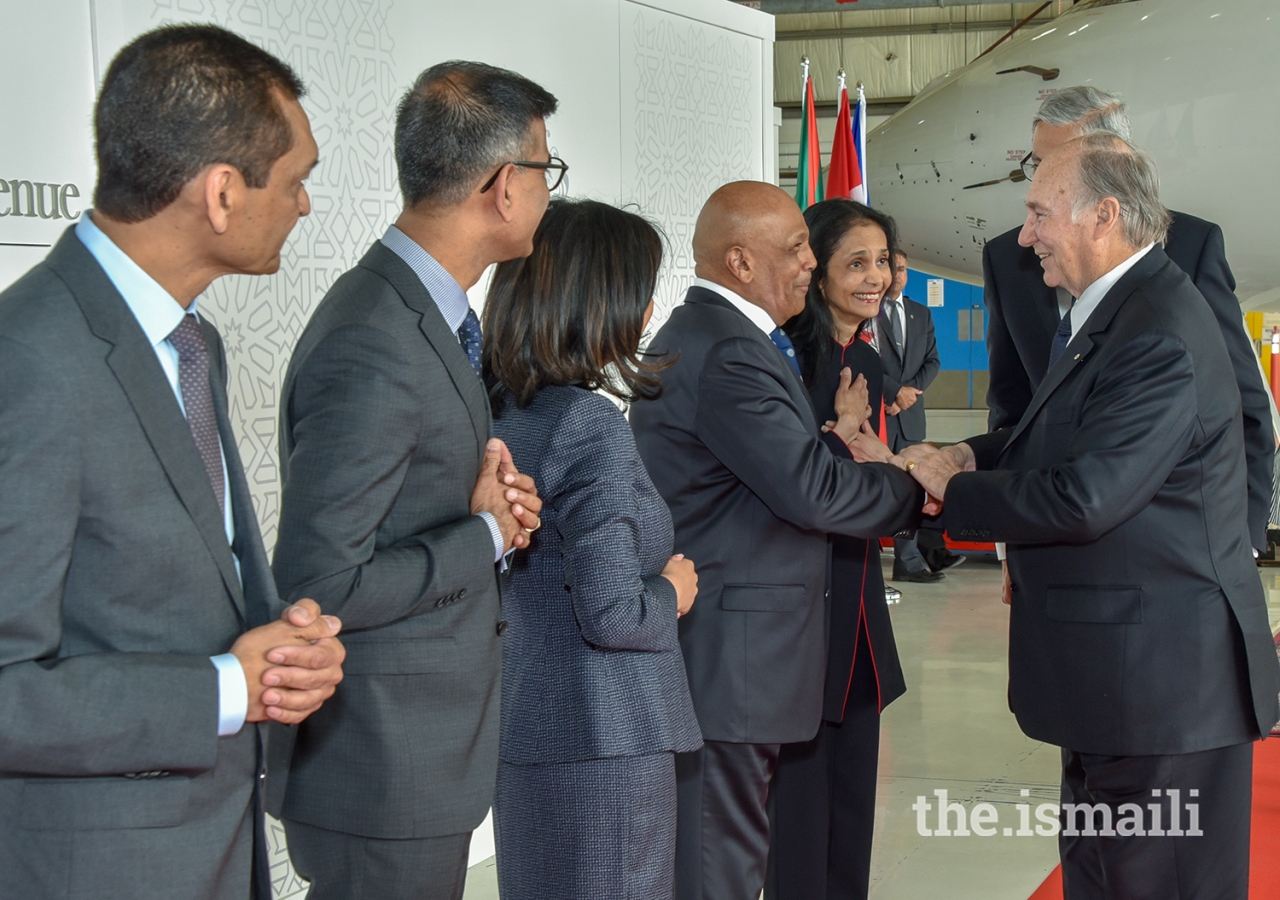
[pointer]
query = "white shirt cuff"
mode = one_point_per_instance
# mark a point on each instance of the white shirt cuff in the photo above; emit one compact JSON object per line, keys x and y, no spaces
{"x":233,"y":694}
{"x":494,"y":532}
{"x":1001,"y":552}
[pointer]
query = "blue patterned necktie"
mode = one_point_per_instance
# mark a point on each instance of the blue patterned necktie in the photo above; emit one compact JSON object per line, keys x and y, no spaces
{"x":783,"y":343}
{"x":1061,"y":338}
{"x":471,"y":339}
{"x":197,"y":399}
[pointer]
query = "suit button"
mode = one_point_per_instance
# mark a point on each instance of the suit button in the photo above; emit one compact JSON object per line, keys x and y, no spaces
{"x":440,"y":602}
{"x":502,"y":627}
{"x":462,"y":592}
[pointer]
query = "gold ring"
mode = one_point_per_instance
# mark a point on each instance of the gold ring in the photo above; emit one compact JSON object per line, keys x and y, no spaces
{"x":911,"y":464}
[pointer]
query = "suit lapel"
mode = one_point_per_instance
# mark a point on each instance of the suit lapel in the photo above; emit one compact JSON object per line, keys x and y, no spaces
{"x":133,"y":362}
{"x":436,"y":331}
{"x":702,"y":295}
{"x":1083,"y":344}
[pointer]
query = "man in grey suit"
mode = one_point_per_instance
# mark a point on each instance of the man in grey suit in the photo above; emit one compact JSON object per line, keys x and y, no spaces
{"x":136,"y":632}
{"x":395,"y":512}
{"x":733,"y":447}
{"x":1138,"y":633}
{"x":909,"y":357}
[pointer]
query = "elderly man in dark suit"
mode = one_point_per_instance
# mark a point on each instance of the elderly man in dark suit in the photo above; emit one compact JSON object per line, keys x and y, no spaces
{"x":394,"y":512}
{"x":1023,"y":312}
{"x":909,"y":357}
{"x":733,"y":447}
{"x":136,"y":633}
{"x":1138,"y":635}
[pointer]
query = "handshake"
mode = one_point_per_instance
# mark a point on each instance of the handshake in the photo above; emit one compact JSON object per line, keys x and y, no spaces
{"x":930,"y":465}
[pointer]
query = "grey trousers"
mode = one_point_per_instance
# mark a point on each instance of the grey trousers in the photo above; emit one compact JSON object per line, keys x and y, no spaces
{"x":350,"y":867}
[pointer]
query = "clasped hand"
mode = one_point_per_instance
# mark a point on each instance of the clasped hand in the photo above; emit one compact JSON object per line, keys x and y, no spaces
{"x":933,"y":468}
{"x":291,"y":666}
{"x":507,"y":495}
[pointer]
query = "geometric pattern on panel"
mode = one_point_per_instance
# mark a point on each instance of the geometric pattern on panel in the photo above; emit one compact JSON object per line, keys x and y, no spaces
{"x":342,"y":49}
{"x":691,"y":107}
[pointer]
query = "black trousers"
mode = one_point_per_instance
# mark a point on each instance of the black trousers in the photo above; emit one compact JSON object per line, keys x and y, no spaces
{"x":823,"y":802}
{"x":722,"y":829}
{"x":1212,"y":792}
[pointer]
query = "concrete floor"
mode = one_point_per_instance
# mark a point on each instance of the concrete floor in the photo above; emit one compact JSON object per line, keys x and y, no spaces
{"x":952,"y":731}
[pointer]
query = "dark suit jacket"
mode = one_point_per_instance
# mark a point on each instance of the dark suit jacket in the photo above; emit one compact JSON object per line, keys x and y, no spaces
{"x":732,"y":445}
{"x":1022,"y":316}
{"x":591,"y":660}
{"x":118,"y":586}
{"x":918,"y":371}
{"x":1138,"y":624}
{"x":383,"y":427}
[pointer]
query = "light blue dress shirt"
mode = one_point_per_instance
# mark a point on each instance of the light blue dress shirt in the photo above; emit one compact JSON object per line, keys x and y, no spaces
{"x":159,"y":314}
{"x":452,"y":301}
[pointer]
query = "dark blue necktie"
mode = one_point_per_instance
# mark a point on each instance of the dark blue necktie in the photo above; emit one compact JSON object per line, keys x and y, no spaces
{"x":471,"y":339}
{"x":1061,"y":338}
{"x":783,"y":343}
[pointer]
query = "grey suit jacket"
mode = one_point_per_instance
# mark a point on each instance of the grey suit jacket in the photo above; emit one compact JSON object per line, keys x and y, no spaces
{"x":733,"y":447}
{"x":119,"y":585}
{"x":1138,"y":624}
{"x":918,"y":371}
{"x":383,"y":427}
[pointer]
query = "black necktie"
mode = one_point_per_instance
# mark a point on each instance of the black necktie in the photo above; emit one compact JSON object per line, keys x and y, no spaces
{"x":471,"y":339}
{"x":197,"y":399}
{"x":1061,"y":338}
{"x":783,"y":343}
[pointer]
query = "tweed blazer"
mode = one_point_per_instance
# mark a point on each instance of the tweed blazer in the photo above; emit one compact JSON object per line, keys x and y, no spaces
{"x":591,"y":660}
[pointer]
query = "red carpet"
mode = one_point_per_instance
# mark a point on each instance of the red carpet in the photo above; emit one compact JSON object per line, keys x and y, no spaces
{"x":1264,"y":850}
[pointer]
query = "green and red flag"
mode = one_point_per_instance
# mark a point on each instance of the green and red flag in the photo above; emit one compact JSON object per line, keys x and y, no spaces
{"x":809,"y":167}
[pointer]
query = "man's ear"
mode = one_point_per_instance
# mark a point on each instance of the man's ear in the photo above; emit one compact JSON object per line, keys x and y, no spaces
{"x":503,"y":198}
{"x":1108,"y":216}
{"x":223,"y":194}
{"x":738,"y":262}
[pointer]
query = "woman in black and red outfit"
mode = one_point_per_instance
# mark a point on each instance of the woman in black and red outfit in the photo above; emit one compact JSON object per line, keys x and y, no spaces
{"x":824,"y":790}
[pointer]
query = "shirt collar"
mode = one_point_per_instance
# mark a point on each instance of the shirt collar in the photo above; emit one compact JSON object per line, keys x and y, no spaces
{"x":1091,"y":296}
{"x":758,"y":316}
{"x":154,"y":307}
{"x":444,"y":289}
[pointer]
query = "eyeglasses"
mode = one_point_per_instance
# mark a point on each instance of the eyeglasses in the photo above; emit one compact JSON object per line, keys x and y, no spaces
{"x":554,"y":171}
{"x":1027,"y":166}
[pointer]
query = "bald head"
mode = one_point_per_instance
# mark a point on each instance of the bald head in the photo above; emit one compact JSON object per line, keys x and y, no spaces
{"x":752,"y":239}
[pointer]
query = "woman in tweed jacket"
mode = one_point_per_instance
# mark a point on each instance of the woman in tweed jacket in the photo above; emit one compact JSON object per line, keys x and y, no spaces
{"x":594,"y":698}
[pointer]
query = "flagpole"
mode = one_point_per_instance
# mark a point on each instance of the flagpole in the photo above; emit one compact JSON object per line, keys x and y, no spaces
{"x":861,"y":125}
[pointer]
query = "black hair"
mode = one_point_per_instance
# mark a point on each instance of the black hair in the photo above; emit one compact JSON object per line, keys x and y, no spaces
{"x":458,"y":121}
{"x":573,"y":311}
{"x":178,"y":99}
{"x":829,"y":221}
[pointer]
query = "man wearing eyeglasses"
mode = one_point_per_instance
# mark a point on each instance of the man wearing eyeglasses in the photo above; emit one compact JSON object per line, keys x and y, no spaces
{"x":1023,"y":314}
{"x":399,"y":506}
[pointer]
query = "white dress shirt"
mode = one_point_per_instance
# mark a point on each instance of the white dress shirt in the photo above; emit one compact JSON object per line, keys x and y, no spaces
{"x":758,"y":316}
{"x":159,"y":314}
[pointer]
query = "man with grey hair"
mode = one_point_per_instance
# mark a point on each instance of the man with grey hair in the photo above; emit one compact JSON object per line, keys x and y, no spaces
{"x":1138,"y":637}
{"x":1023,"y":312}
{"x":398,"y":503}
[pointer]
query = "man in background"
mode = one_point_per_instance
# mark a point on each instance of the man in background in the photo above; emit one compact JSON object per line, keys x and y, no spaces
{"x":909,"y":356}
{"x":733,"y":447}
{"x":394,"y":510}
{"x":1023,"y":313}
{"x":136,"y":632}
